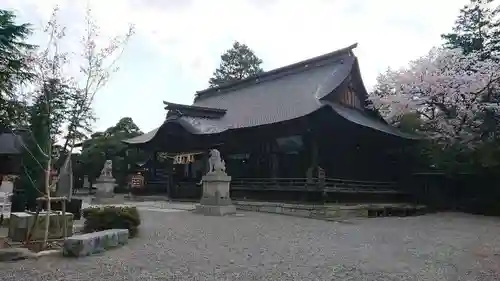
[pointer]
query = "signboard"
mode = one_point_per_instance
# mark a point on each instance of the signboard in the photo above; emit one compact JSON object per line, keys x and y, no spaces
{"x":321,"y":173}
{"x":137,"y":181}
{"x":184,"y":158}
{"x":181,"y":158}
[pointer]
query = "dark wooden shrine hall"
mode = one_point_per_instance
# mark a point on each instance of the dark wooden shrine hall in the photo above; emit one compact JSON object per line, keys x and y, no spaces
{"x":304,"y":127}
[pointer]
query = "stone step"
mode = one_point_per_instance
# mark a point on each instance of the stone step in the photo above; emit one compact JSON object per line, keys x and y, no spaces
{"x":333,"y":212}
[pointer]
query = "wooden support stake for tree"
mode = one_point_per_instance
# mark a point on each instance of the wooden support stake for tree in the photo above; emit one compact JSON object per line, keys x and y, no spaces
{"x":65,"y":223}
{"x":63,"y":206}
{"x":47,"y":194}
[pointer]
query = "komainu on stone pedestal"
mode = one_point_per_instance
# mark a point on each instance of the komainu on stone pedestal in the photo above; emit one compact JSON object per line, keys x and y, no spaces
{"x":216,"y":200}
{"x":105,"y":186}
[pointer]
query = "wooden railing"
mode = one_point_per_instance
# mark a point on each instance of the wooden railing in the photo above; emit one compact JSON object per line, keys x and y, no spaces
{"x":312,"y":185}
{"x":342,"y":185}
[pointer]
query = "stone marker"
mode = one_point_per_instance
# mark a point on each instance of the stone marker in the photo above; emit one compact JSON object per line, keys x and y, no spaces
{"x":95,"y":242}
{"x":65,"y":184}
{"x":216,"y":200}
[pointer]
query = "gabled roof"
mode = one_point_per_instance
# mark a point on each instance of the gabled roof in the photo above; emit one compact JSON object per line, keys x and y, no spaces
{"x":271,"y":97}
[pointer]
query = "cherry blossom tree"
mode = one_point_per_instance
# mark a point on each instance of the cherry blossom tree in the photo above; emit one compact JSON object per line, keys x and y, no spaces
{"x":451,"y":92}
{"x":60,"y":103}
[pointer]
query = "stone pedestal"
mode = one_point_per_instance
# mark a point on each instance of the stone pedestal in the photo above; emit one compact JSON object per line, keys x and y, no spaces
{"x":7,"y":187}
{"x":105,"y":186}
{"x":20,"y":224}
{"x":216,"y":200}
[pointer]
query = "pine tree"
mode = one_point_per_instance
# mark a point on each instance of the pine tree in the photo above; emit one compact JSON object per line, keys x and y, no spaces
{"x":237,"y":63}
{"x":14,"y":67}
{"x":477,"y":28}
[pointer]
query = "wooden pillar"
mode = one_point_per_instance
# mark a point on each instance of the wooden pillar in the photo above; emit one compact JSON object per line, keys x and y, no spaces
{"x":312,"y":148}
{"x":314,"y":152}
{"x":268,"y":158}
{"x":205,"y":162}
{"x":274,"y":165}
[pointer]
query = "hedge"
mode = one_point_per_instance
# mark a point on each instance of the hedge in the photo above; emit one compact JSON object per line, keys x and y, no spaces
{"x":102,"y":218}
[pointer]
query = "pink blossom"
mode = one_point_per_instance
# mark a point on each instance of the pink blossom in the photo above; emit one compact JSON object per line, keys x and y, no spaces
{"x":446,"y":88}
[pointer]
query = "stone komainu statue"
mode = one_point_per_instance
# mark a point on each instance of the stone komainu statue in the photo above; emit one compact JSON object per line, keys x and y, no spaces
{"x":107,"y":171}
{"x":215,"y":162}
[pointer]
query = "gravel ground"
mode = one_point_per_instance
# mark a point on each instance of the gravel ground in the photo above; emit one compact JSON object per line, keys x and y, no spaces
{"x":256,"y":246}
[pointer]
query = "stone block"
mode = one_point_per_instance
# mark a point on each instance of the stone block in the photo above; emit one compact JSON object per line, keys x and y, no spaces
{"x":108,"y":200}
{"x":288,"y":211}
{"x":332,"y":213}
{"x":302,"y":212}
{"x":363,"y":213}
{"x":211,"y":210}
{"x":20,"y":225}
{"x":95,"y":242}
{"x":268,"y":209}
{"x":15,"y":254}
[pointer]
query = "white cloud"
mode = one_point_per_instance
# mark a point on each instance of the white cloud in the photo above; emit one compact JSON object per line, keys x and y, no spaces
{"x":188,"y":36}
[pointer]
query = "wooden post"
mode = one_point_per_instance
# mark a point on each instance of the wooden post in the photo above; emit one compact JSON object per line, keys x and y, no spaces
{"x":65,"y":223}
{"x":48,"y":175}
{"x":313,"y":160}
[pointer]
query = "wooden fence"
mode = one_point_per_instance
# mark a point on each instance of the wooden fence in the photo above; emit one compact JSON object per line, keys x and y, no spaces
{"x":313,"y":185}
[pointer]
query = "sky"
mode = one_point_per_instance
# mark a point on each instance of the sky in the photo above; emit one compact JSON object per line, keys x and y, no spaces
{"x":178,"y":43}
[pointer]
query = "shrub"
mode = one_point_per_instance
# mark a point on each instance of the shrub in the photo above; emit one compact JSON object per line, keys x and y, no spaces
{"x":102,"y":218}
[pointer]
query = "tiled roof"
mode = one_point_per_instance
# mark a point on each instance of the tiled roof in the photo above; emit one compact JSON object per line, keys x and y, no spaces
{"x":283,"y":94}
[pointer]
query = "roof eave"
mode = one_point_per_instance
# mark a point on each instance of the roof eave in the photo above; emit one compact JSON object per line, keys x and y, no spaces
{"x":150,"y":136}
{"x":354,"y":116}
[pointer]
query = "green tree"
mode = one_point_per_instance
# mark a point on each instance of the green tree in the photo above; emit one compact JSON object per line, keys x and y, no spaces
{"x":15,"y":69}
{"x":237,"y":63}
{"x":108,"y":145}
{"x":477,"y":28}
{"x":125,"y":128}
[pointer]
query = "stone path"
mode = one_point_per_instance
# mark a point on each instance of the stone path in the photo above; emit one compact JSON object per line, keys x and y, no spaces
{"x":257,"y":246}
